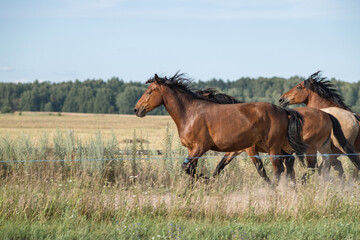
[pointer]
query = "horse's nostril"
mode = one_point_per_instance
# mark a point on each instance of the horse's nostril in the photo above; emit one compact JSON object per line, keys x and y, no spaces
{"x":281,"y":100}
{"x":135,"y":110}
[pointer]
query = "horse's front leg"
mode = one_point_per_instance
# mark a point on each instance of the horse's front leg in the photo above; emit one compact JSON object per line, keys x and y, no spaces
{"x":227,"y":158}
{"x":190,"y":163}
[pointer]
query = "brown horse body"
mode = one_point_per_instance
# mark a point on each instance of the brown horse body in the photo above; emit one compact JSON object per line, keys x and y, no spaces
{"x":317,"y":92}
{"x":205,"y":125}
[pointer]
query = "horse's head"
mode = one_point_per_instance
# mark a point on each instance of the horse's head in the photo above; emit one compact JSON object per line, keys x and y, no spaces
{"x":151,"y":98}
{"x":296,"y":95}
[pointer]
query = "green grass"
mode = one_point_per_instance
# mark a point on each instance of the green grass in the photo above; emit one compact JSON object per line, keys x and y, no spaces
{"x":147,"y":227}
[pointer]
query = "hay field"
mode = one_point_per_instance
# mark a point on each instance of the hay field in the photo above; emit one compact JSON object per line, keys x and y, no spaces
{"x":34,"y":124}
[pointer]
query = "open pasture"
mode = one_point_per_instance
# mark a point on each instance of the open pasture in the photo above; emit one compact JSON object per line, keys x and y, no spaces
{"x":149,"y":197}
{"x":84,"y":126}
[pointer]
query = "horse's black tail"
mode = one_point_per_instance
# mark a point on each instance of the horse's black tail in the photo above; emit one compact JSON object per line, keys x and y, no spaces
{"x":348,"y":148}
{"x":294,"y":133}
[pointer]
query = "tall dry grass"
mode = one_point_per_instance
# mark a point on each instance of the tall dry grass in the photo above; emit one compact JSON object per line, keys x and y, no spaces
{"x":98,"y":183}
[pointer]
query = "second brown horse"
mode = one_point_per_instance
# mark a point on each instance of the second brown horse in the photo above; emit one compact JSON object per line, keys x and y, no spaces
{"x":316,"y":134}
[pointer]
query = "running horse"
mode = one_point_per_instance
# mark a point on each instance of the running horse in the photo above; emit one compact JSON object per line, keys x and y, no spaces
{"x":316,"y":134}
{"x":204,"y":125}
{"x":318,"y":92}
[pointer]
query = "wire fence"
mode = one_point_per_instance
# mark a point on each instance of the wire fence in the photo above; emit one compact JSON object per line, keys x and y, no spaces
{"x":170,"y":158}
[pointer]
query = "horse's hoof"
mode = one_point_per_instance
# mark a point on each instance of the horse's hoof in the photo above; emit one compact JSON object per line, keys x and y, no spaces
{"x":206,"y":180}
{"x":269,"y":182}
{"x":203,"y":177}
{"x":185,"y":166}
{"x":304,"y":179}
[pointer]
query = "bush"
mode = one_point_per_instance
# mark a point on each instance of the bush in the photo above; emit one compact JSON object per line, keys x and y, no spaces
{"x":6,"y":109}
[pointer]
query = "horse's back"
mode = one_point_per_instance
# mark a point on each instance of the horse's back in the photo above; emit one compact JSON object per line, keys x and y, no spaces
{"x":246,"y":123}
{"x":260,"y":108}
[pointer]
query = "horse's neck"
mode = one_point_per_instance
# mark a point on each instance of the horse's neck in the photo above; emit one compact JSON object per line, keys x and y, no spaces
{"x":316,"y":101}
{"x":179,"y":107}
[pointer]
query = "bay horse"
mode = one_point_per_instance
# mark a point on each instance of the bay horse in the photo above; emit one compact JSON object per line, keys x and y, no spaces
{"x":318,"y":92}
{"x":204,"y":125}
{"x":316,"y":134}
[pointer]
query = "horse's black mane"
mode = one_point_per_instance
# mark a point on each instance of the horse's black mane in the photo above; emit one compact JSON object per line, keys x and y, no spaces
{"x":218,"y":97}
{"x":181,"y":82}
{"x":325,"y":89}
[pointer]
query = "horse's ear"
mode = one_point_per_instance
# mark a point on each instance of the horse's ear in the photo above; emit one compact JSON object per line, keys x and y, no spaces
{"x":314,"y":76}
{"x":156,"y":78}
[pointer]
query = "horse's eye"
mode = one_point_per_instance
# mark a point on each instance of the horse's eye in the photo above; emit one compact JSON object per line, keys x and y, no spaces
{"x":298,"y":88}
{"x":149,"y":92}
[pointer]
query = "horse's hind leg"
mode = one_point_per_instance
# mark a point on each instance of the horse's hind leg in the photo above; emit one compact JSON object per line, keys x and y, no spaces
{"x":289,"y":164}
{"x":252,"y":153}
{"x":330,"y":160}
{"x":311,"y":160}
{"x":336,"y":164}
{"x":324,"y":167}
{"x":227,"y":158}
{"x":357,"y":150}
{"x":277,"y":163}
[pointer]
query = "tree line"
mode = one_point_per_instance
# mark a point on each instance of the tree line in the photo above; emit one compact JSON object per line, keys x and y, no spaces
{"x":117,"y":96}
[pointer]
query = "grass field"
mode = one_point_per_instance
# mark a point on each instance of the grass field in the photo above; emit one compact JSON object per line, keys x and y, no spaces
{"x":148,"y":196}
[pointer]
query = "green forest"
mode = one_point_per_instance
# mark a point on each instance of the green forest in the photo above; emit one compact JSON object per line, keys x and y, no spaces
{"x":118,"y":96}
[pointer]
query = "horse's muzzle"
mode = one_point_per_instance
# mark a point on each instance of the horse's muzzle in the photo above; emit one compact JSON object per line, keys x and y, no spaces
{"x":283,"y":102}
{"x":140,"y":112}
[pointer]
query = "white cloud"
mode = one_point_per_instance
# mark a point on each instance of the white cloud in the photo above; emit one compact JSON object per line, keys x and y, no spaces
{"x":198,"y":9}
{"x":213,"y":9}
{"x":22,"y":80}
{"x":27,"y":80}
{"x":103,"y":3}
{"x":5,"y":69}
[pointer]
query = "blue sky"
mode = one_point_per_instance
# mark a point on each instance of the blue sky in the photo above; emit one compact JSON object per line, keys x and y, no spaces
{"x":62,"y":40}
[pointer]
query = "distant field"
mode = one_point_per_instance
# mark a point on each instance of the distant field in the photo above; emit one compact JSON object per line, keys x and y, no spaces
{"x":84,"y":126}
